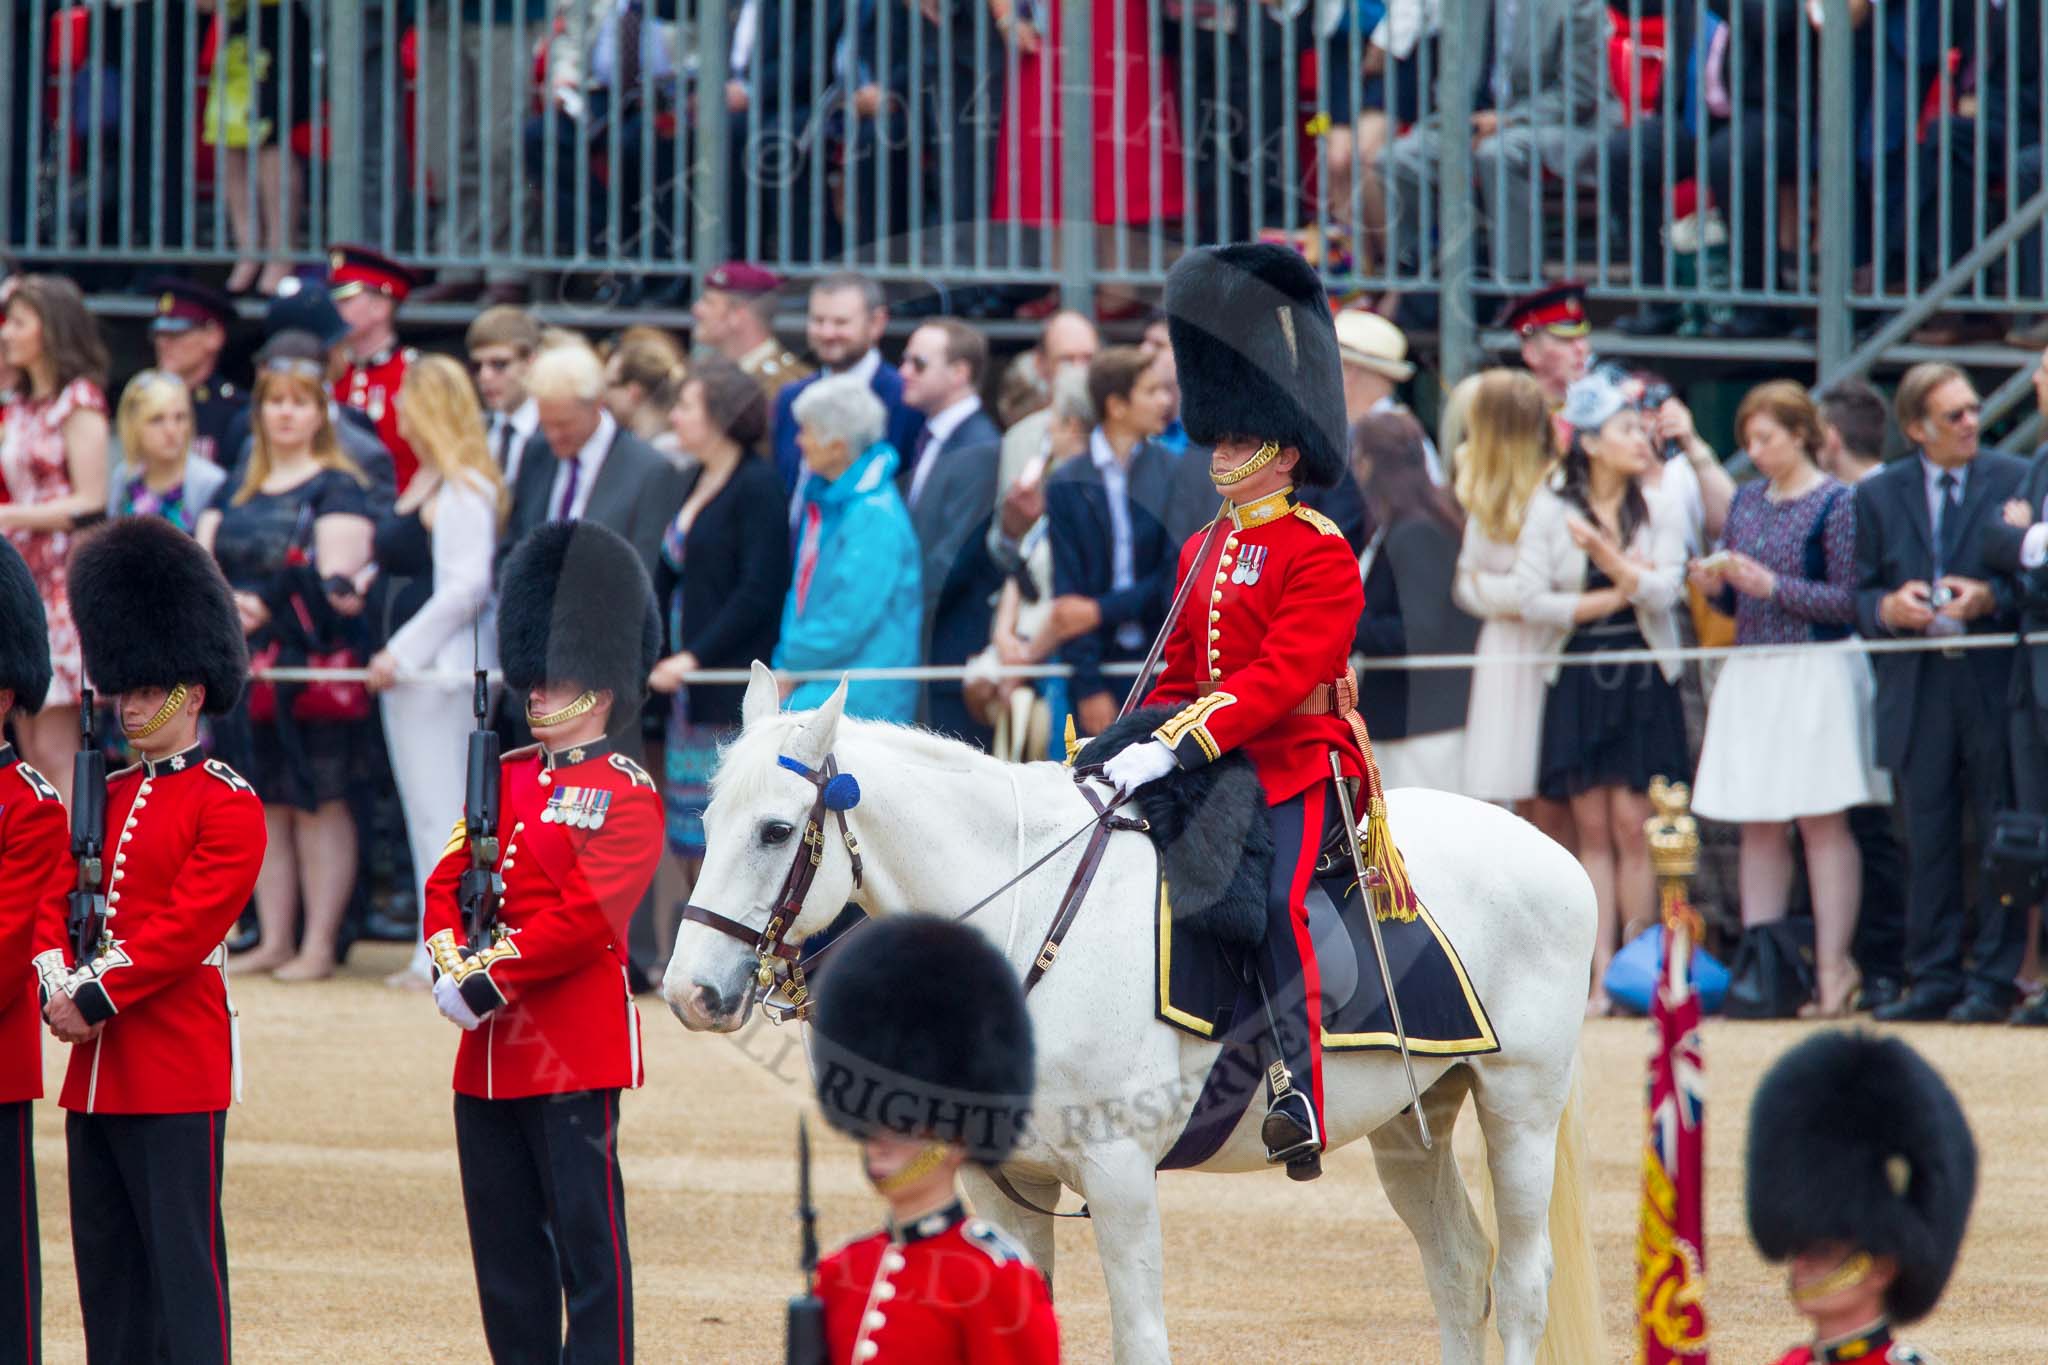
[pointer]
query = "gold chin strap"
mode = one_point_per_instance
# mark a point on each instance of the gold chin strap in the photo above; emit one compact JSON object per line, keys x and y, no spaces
{"x":1268,"y":453}
{"x":581,"y":706}
{"x":1853,"y":1270}
{"x":914,"y":1170}
{"x":173,"y":699}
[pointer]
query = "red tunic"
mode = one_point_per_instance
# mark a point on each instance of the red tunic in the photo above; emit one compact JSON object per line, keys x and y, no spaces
{"x":1872,"y":1346}
{"x":950,"y":1288}
{"x":1273,"y":614}
{"x":36,"y":874}
{"x":372,"y":386}
{"x":568,"y":1021}
{"x":184,"y":842}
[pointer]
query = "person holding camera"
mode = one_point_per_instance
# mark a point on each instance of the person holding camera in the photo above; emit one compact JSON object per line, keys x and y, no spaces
{"x":1941,"y":713}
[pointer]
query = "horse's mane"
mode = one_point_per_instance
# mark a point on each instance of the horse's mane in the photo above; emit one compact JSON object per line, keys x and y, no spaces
{"x":747,"y":763}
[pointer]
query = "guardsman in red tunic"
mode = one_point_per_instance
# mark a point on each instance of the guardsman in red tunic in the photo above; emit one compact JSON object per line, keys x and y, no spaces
{"x":35,"y":875}
{"x":1861,"y":1175}
{"x":1259,"y":658}
{"x":936,"y":1285}
{"x":551,"y":1035}
{"x":367,"y":289}
{"x":154,"y":1061}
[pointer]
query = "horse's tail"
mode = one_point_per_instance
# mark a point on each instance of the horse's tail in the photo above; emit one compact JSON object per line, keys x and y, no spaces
{"x":1572,"y":1334}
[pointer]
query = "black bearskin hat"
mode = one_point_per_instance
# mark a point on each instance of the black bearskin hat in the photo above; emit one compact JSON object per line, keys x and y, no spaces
{"x":1854,"y":1138}
{"x":24,"y":634}
{"x":920,"y":1030}
{"x":575,"y":606}
{"x":153,"y":611}
{"x":1257,"y":353}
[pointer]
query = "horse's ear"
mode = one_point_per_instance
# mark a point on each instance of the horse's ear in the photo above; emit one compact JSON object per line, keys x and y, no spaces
{"x":763,"y":697}
{"x":814,"y":741}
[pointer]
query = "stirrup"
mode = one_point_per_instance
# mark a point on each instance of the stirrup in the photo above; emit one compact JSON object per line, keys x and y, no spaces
{"x":1291,"y":1133}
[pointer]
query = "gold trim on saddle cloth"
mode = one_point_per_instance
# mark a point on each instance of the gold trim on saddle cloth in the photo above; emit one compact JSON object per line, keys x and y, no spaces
{"x":1484,"y":1042}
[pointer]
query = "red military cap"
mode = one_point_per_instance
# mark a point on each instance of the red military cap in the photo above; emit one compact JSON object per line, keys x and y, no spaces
{"x":743,"y":278}
{"x":183,"y":304}
{"x":352,"y":269}
{"x":1559,"y":310}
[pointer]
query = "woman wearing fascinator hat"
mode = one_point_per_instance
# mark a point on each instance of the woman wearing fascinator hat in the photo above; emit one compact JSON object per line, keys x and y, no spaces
{"x":1861,"y":1174}
{"x":1601,"y":565}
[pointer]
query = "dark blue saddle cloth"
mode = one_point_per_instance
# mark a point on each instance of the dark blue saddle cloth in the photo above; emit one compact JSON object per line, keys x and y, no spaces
{"x":1203,"y":991}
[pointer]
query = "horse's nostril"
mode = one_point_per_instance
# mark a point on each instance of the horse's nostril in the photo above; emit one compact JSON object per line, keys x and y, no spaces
{"x":711,"y":1003}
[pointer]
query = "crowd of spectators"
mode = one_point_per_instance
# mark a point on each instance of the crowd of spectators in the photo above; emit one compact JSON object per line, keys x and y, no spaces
{"x":875,"y":514}
{"x":505,"y":135}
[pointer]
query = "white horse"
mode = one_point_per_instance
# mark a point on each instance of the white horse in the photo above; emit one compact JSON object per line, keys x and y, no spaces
{"x":939,"y":825}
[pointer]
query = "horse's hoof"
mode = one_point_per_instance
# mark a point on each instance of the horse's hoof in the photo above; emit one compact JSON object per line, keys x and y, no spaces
{"x":1306,"y":1167}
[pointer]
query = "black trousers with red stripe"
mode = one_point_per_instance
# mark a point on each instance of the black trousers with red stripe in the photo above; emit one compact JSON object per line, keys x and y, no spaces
{"x":1286,"y":960}
{"x":547,"y":1226}
{"x":147,"y":1234}
{"x":21,"y":1248}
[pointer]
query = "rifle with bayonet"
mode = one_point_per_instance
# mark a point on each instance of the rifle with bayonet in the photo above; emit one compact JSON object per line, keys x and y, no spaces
{"x":87,"y":921}
{"x":481,"y":886}
{"x":806,"y":1336}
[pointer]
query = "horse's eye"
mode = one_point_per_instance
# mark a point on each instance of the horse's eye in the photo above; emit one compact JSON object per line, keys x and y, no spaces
{"x":776,"y":832}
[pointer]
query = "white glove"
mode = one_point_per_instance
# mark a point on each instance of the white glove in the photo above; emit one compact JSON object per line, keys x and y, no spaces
{"x":1139,"y":764}
{"x":448,"y":996}
{"x":570,"y":101}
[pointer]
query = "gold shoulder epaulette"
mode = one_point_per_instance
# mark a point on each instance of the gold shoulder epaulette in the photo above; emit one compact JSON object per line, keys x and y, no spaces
{"x":216,"y":768}
{"x":1316,"y":519}
{"x":632,"y":770}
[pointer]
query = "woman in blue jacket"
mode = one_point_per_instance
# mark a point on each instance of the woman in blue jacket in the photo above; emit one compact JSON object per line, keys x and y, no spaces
{"x":855,"y":600}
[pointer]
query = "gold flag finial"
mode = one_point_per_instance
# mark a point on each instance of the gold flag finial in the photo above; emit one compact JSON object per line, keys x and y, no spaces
{"x":1674,"y":851}
{"x":1073,"y":741}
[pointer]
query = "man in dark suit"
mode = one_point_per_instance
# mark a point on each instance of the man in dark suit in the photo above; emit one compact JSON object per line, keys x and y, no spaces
{"x":845,"y":323}
{"x":1113,"y":561}
{"x":582,"y":466}
{"x":1941,"y":726}
{"x":2017,"y":544}
{"x":775,"y":79}
{"x":949,"y":483}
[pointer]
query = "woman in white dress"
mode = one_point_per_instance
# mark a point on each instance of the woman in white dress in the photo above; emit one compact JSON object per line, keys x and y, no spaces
{"x":1790,"y":734}
{"x":1510,"y":445}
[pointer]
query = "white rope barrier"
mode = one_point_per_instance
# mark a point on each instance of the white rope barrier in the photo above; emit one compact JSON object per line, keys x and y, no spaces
{"x":1953,"y":646}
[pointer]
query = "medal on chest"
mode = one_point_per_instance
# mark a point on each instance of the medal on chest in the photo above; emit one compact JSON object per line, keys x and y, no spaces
{"x":1251,"y":560}
{"x":576,"y":807}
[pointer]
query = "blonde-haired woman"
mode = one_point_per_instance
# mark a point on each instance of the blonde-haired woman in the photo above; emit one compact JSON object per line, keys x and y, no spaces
{"x":298,"y":525}
{"x":435,"y":548}
{"x":157,"y":475}
{"x":1509,"y":445}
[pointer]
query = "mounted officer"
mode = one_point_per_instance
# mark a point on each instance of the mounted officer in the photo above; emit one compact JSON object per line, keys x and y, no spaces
{"x":1259,"y":658}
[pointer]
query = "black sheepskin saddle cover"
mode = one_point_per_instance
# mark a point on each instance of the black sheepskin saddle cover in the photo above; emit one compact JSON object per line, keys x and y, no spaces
{"x":1210,"y":829}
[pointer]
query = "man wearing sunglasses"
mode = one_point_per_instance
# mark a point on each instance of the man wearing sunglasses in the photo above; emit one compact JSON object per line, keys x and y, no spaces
{"x":1921,"y":524}
{"x":502,"y":342}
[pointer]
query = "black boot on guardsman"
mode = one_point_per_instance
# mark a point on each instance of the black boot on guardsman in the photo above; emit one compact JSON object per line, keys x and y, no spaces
{"x":1292,"y":1134}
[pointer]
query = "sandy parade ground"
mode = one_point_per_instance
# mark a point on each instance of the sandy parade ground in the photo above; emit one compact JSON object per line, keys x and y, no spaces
{"x":346,"y":1237}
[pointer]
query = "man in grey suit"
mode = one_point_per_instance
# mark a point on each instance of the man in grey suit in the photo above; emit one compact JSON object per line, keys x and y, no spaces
{"x":951,"y":492}
{"x":1941,"y":715}
{"x":1543,"y":103}
{"x":2017,"y":544}
{"x":581,"y":466}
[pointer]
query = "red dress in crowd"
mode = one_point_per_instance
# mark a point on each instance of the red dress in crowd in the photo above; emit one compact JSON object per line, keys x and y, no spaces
{"x":35,"y":467}
{"x":1136,"y":120}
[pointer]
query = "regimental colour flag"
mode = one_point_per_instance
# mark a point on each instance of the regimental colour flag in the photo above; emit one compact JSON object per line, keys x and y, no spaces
{"x":1671,"y":1243}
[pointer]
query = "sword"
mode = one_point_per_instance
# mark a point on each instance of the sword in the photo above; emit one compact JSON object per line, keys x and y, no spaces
{"x":1379,"y":944}
{"x":1143,"y":681}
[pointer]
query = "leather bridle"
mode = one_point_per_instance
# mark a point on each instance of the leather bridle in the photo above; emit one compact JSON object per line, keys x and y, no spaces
{"x":838,"y":793}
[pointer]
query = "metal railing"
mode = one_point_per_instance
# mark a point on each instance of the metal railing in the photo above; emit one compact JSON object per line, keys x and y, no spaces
{"x":1714,"y":155}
